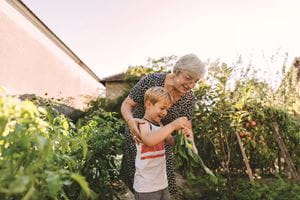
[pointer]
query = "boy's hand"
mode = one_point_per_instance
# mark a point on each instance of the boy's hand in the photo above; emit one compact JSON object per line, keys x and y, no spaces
{"x":180,"y":123}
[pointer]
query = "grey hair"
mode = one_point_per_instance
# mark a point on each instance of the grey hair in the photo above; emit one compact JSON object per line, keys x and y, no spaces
{"x":192,"y":63}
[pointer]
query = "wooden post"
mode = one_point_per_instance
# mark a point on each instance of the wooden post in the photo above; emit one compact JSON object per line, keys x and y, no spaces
{"x":245,"y":159}
{"x":290,"y":165}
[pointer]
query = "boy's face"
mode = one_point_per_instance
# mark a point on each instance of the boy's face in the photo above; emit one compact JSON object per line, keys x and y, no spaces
{"x":158,"y":110}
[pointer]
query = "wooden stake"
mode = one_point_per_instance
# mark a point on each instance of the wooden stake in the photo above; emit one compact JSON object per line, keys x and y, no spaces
{"x":245,"y":159}
{"x":290,"y":165}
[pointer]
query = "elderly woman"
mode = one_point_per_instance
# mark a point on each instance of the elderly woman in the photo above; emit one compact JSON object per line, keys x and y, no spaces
{"x":187,"y":71}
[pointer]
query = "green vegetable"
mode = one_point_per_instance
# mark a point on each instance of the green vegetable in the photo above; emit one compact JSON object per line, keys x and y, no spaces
{"x":188,"y":160}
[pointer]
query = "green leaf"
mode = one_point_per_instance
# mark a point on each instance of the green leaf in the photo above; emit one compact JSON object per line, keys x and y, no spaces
{"x":3,"y":122}
{"x":65,"y":125}
{"x":84,"y":148}
{"x":19,"y":185}
{"x":42,"y":142}
{"x":82,"y":182}
{"x":29,"y":193}
{"x":183,"y":153}
{"x":54,"y":183}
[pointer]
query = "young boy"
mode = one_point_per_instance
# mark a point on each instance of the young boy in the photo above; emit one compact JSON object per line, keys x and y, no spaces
{"x":150,"y":179}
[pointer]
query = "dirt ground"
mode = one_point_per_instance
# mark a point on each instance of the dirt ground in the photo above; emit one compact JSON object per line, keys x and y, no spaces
{"x":127,"y":195}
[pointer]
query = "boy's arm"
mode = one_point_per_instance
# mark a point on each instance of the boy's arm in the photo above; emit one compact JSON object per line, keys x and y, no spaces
{"x":170,"y":140}
{"x":151,"y":138}
{"x":187,"y":131}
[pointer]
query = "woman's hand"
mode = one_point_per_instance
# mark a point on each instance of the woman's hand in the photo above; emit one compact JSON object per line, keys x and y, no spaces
{"x":180,"y":123}
{"x":133,"y":124}
{"x":190,"y":137}
{"x":187,"y":132}
{"x":184,"y":124}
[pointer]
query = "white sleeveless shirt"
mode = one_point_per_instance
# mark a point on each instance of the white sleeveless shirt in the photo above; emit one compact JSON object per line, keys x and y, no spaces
{"x":150,"y":164}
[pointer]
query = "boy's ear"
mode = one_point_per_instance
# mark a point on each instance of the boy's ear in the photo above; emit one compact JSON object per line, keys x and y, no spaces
{"x":147,"y":104}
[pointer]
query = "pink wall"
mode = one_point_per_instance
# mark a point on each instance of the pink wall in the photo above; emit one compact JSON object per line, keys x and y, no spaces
{"x":31,"y":63}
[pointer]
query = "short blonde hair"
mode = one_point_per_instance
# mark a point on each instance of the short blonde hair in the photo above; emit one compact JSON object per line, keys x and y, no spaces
{"x":156,"y":94}
{"x":191,"y":63}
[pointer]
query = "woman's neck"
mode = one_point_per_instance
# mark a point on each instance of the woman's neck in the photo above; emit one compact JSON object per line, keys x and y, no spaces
{"x":170,"y":86}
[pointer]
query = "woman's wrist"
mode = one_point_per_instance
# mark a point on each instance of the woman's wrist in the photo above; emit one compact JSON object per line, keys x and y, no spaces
{"x":170,"y":137}
{"x":128,"y":119}
{"x":170,"y":140}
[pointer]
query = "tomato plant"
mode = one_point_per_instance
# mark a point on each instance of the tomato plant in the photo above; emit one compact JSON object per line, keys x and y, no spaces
{"x":36,"y":155}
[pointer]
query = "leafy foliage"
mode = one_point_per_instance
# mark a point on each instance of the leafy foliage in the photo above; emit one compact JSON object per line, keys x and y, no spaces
{"x":36,"y":152}
{"x":249,"y":109}
{"x":102,"y":131}
{"x":277,"y":189}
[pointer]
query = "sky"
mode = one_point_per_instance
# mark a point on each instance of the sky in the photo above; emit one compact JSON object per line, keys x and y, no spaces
{"x":110,"y":35}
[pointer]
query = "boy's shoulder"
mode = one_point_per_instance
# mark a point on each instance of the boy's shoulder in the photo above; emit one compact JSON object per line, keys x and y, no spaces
{"x":145,"y":125}
{"x":150,"y":125}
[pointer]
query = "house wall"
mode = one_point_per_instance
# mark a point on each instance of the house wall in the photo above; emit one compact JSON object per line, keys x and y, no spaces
{"x":31,"y":62}
{"x":115,"y":89}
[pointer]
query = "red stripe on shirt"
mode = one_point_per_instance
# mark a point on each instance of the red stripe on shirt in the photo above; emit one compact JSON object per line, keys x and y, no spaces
{"x":157,"y":147}
{"x":152,"y":156}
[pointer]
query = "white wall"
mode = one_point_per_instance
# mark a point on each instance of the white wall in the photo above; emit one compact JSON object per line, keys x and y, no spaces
{"x":30,"y":62}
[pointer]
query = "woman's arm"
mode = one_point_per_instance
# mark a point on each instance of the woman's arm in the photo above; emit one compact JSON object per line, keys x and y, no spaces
{"x":134,"y":98}
{"x":126,"y":109}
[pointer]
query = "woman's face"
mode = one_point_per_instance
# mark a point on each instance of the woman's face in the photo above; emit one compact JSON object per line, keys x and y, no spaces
{"x":185,"y":81}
